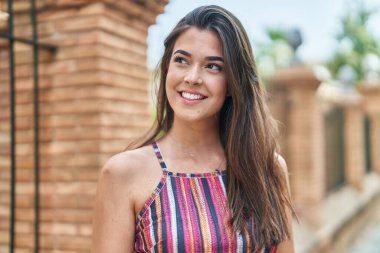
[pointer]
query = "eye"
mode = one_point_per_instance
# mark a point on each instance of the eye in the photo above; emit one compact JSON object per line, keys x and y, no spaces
{"x":214,"y":66}
{"x":180,"y":59}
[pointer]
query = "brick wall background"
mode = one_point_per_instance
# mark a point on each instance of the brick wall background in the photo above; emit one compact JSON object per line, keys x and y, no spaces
{"x":93,"y":100}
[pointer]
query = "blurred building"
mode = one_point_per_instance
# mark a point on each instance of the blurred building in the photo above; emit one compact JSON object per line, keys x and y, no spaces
{"x":330,"y":138}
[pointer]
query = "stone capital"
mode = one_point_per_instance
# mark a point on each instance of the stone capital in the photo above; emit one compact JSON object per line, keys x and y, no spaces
{"x":296,"y":77}
{"x":371,"y":97}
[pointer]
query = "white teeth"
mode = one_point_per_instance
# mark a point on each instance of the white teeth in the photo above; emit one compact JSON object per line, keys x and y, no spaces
{"x":192,"y":96}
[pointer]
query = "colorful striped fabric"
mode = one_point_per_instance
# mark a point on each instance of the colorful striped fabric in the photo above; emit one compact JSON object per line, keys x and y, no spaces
{"x":187,"y":212}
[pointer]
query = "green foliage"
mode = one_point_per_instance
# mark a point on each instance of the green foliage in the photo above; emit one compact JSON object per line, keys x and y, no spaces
{"x":276,"y":33}
{"x":355,"y":40}
{"x":275,"y":53}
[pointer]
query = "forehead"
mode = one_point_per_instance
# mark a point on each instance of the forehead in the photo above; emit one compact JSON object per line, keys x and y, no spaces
{"x":196,"y":41}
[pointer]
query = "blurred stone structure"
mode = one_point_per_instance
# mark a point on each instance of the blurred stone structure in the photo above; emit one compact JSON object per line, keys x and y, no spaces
{"x":371,"y":94}
{"x":332,"y":155}
{"x":303,"y":131}
{"x":93,"y":100}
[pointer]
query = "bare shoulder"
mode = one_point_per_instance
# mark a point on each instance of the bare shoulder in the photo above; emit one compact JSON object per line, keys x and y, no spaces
{"x":114,"y":207}
{"x":284,"y":169}
{"x":281,"y":161}
{"x":122,"y":174}
{"x":288,"y":245}
{"x":282,"y":164}
{"x":127,"y":164}
{"x":134,"y":174}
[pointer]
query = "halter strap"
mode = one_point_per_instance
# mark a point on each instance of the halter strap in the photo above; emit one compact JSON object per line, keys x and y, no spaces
{"x":159,"y":156}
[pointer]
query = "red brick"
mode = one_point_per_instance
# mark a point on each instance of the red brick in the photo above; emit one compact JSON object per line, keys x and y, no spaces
{"x":94,"y":98}
{"x":298,"y":87}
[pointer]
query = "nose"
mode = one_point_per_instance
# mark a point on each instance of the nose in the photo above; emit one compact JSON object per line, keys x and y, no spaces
{"x":193,"y":76}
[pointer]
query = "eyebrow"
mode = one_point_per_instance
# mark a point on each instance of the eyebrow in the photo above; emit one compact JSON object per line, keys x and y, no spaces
{"x":210,"y":58}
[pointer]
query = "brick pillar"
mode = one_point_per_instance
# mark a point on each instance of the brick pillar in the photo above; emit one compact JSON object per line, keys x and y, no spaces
{"x":93,"y":100}
{"x":354,"y":141}
{"x":304,"y":135}
{"x":371,"y":95}
{"x":278,"y":102}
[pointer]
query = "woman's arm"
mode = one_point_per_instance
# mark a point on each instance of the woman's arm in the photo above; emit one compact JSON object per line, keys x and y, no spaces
{"x":286,"y":246}
{"x":114,"y":219}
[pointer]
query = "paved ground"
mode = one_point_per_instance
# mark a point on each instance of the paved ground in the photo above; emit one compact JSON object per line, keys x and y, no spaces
{"x":368,"y":241}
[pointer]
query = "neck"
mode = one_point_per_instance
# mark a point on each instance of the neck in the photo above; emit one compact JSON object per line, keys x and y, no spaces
{"x":200,"y":141}
{"x":198,"y":135}
{"x":193,"y":147}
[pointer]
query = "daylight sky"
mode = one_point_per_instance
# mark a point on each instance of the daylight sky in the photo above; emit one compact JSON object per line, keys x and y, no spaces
{"x":317,"y":20}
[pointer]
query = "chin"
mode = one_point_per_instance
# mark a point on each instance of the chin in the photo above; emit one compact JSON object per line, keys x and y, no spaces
{"x":188,"y":118}
{"x":194,"y":118}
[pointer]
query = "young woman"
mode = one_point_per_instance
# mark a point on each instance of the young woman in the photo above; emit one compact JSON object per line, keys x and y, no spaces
{"x":207,"y":178}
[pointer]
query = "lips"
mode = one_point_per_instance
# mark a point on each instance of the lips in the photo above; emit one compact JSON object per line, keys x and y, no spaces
{"x":192,"y":95}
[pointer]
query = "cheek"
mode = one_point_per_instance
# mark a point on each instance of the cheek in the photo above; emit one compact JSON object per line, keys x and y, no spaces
{"x":220,"y":86}
{"x":172,"y":78}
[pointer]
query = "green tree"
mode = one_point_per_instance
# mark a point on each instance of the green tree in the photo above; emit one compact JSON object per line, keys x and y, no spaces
{"x":274,"y":53}
{"x":355,"y":41}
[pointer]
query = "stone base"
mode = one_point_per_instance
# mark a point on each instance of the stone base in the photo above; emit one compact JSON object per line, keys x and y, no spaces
{"x":340,"y":217}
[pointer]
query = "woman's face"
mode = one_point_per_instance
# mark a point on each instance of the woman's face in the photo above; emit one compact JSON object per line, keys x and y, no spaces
{"x":196,"y":83}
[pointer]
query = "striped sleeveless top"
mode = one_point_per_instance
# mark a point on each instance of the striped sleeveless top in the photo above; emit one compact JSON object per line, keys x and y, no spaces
{"x":188,"y":212}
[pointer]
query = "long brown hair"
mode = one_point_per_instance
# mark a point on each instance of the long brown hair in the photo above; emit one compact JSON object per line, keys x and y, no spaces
{"x":256,"y":185}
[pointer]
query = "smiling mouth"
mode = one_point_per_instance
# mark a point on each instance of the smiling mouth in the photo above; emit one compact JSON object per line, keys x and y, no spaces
{"x":190,"y":96}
